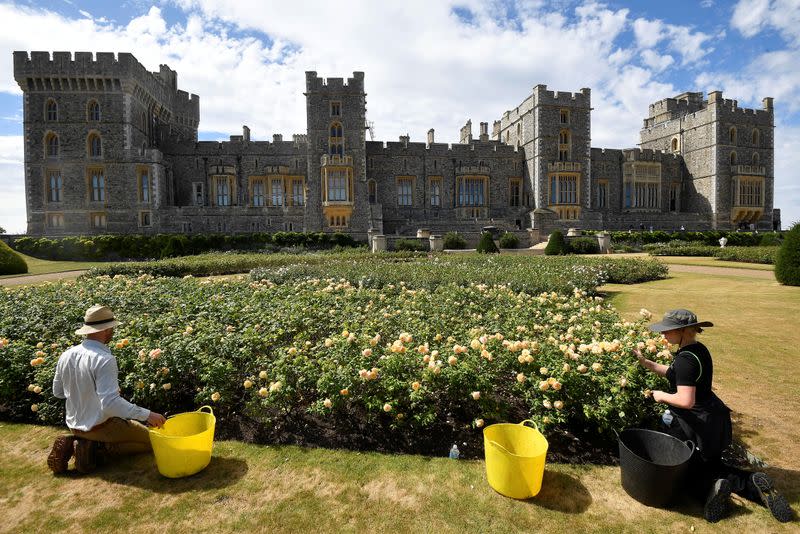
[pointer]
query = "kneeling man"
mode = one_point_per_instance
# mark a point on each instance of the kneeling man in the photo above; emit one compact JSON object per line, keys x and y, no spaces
{"x":102,"y":422}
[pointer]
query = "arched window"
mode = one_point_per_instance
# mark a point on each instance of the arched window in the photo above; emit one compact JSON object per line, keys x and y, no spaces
{"x":755,"y":160}
{"x":756,"y":137}
{"x":733,"y":158}
{"x":674,"y":144}
{"x":93,"y":111}
{"x":51,"y":145}
{"x":94,"y":145}
{"x":336,"y":140}
{"x":373,"y":192}
{"x":564,"y":148}
{"x":732,"y":135}
{"x":51,"y":110}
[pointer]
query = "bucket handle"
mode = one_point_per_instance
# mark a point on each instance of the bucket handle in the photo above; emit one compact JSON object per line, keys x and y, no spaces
{"x":531,"y":421}
{"x":690,"y":443}
{"x":210,"y":409}
{"x":503,"y":449}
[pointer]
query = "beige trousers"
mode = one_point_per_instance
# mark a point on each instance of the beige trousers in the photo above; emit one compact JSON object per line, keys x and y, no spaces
{"x":121,"y":436}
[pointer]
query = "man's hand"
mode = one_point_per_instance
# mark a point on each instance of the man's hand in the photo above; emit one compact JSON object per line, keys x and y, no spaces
{"x":658,"y":396}
{"x":156,"y":419}
{"x":640,"y":357}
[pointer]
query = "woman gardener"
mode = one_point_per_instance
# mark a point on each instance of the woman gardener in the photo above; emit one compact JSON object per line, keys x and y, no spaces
{"x":699,"y":415}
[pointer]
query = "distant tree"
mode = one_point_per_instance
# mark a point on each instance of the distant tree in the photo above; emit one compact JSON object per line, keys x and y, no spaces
{"x":2,"y":230}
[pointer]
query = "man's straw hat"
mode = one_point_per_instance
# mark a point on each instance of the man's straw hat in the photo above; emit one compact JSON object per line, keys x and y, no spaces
{"x":97,"y":319}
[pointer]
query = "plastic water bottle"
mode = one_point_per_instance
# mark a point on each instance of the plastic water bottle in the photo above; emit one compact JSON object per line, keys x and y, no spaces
{"x":666,"y":418}
{"x":454,"y":452}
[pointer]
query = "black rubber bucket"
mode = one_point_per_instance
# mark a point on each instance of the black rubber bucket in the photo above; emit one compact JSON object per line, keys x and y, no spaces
{"x":653,"y":465}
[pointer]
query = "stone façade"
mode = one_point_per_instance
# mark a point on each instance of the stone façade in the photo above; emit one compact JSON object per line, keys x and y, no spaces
{"x":702,"y":163}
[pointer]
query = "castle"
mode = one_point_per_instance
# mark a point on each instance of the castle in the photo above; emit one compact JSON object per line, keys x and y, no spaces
{"x":112,"y":148}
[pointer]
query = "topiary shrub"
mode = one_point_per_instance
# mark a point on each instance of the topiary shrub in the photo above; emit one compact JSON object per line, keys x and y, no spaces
{"x":583,"y":245}
{"x":413,"y":245}
{"x":454,"y":241}
{"x":486,"y":244}
{"x":10,"y":261}
{"x":556,"y":244}
{"x":509,"y":240}
{"x":787,"y":263}
{"x":771,"y":239}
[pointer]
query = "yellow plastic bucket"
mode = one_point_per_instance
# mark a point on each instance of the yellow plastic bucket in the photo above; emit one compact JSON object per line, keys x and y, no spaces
{"x":182,"y":446}
{"x":515,"y":456}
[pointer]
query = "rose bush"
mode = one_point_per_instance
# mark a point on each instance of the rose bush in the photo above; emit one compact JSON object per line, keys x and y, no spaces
{"x":393,"y":363}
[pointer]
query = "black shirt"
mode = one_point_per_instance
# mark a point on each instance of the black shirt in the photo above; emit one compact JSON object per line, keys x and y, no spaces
{"x":693,"y":367}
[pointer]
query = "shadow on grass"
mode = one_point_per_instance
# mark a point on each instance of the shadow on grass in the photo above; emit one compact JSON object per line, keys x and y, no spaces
{"x":563,"y":493}
{"x":141,"y":472}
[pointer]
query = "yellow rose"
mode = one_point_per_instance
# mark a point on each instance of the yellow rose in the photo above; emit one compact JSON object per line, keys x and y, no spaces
{"x":248,"y":384}
{"x":263,"y":392}
{"x":476,"y":395}
{"x":167,"y":386}
{"x":34,"y":408}
{"x":387,"y":407}
{"x":415,"y":386}
{"x":262,"y":375}
{"x":327,"y":403}
{"x":452,"y":360}
{"x":478,"y":423}
{"x":558,"y":405}
{"x":344,"y":392}
{"x":520,"y":378}
{"x":215,"y":396}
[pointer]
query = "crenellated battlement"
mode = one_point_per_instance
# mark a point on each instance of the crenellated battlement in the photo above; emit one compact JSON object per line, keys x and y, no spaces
{"x":476,"y":149}
{"x":318,"y":84}
{"x":562,"y":98}
{"x":647,"y":154}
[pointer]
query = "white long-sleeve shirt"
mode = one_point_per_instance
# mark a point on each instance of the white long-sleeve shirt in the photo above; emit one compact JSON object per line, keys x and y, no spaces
{"x":86,"y":375}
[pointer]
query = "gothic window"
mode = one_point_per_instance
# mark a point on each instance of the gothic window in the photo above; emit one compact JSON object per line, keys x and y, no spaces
{"x":94,"y":145}
{"x":55,"y":186}
{"x":674,"y":196}
{"x":97,"y":185}
{"x":336,"y":109}
{"x":471,"y":191}
{"x":674,"y":144}
{"x":756,"y":137}
{"x":564,"y":116}
{"x":436,"y":192}
{"x":276,"y":191}
{"x":93,"y":111}
{"x":564,"y":145}
{"x":602,"y":194}
{"x":373,"y":192}
{"x":51,"y":110}
{"x":405,"y":188}
{"x":515,"y":192}
{"x":563,"y":189}
{"x":51,"y":145}
{"x":298,"y":193}
{"x":258,"y":192}
{"x":642,"y":185}
{"x":223,"y":190}
{"x":144,"y":186}
{"x":336,"y":140}
{"x":733,"y":158}
{"x":732,"y":135}
{"x":337,"y":185}
{"x":755,"y":159}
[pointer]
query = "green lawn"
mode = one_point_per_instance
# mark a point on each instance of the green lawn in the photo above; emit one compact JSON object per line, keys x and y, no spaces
{"x":39,"y":266}
{"x":292,"y":489}
{"x":703,"y":261}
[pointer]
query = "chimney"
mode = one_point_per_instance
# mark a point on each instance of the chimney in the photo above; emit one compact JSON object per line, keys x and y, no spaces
{"x":405,"y":139}
{"x":430,"y":136}
{"x":245,"y":133}
{"x":714,"y":96}
{"x":484,"y":131}
{"x":277,"y":138}
{"x":767,"y":103}
{"x":496,"y":128}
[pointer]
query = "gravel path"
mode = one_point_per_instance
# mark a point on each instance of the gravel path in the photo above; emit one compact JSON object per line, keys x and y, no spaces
{"x":39,"y":278}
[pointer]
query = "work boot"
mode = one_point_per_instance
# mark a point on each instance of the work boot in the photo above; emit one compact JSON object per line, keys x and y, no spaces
{"x":773,"y":500}
{"x":85,"y":456}
{"x":62,"y":451}
{"x":718,"y":503}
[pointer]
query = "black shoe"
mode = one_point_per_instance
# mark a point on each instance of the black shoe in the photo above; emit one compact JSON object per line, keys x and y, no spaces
{"x":773,"y":500}
{"x":718,"y":503}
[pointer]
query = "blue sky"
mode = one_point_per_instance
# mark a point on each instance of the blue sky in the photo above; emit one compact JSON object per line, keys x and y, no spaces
{"x":428,"y":64}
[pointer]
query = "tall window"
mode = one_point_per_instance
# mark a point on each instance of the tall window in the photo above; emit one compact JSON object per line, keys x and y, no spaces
{"x":198,"y":193}
{"x":51,"y":145}
{"x":732,"y":135}
{"x":642,"y":185}
{"x":258,"y":192}
{"x":471,"y":191}
{"x":674,"y":144}
{"x":373,"y":192}
{"x":336,"y":140}
{"x":756,"y":137}
{"x":436,"y":192}
{"x":145,"y":219}
{"x":602,"y":194}
{"x":95,"y":146}
{"x":674,"y":196}
{"x":515,"y":193}
{"x":276,"y":191}
{"x":733,"y":158}
{"x":93,"y":111}
{"x":564,"y":116}
{"x":336,"y":109}
{"x":755,"y":160}
{"x":405,"y":188}
{"x":55,"y":185}
{"x":750,"y":191}
{"x":224,"y":191}
{"x":97,"y":182}
{"x":564,"y":149}
{"x":51,"y":110}
{"x":338,"y":186}
{"x":144,"y":186}
{"x":298,"y":194}
{"x":563,"y":189}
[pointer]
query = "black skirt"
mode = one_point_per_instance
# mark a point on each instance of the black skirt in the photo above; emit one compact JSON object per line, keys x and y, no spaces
{"x":708,"y":425}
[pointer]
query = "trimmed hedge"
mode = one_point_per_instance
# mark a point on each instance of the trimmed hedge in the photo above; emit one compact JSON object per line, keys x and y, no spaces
{"x":412,"y":245}
{"x":486,"y":244}
{"x":556,"y":244}
{"x":787,"y":263}
{"x":10,"y":261}
{"x":735,"y":239}
{"x":509,"y":240}
{"x":764,"y":255}
{"x":583,"y":245}
{"x":454,"y":241}
{"x":137,"y":246}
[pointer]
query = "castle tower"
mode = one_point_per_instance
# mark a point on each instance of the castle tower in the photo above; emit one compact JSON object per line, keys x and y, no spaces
{"x":93,"y":127}
{"x":728,"y":152}
{"x":337,"y":180}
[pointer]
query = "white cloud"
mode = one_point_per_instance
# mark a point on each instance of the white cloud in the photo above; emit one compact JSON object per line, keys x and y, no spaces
{"x":12,"y":185}
{"x":691,"y":45}
{"x":750,"y":17}
{"x":656,"y":61}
